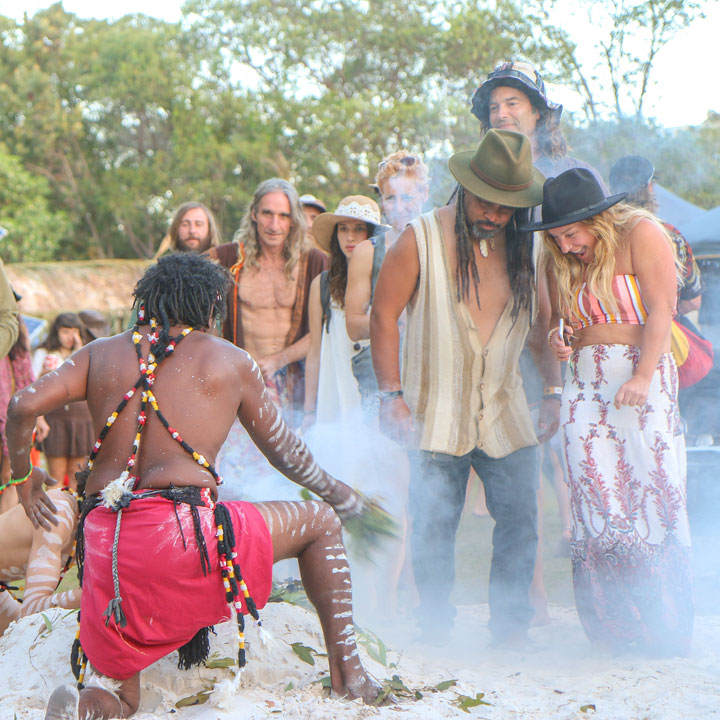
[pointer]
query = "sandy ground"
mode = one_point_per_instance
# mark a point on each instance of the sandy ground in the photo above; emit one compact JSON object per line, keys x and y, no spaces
{"x":559,"y":677}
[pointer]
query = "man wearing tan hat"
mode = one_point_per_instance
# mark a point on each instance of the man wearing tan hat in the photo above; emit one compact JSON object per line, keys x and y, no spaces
{"x":465,"y":273}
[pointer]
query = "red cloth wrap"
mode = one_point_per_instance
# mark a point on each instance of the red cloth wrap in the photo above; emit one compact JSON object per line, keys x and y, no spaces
{"x":165,"y":596}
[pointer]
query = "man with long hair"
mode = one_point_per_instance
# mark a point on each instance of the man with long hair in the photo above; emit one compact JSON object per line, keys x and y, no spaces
{"x":193,"y":228}
{"x":273,"y":267}
{"x":465,"y":273}
{"x":512,"y":97}
{"x":160,"y":560}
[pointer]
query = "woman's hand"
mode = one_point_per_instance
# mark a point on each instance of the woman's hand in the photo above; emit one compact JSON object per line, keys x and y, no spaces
{"x":557,"y":342}
{"x":633,"y":392}
{"x":308,"y":422}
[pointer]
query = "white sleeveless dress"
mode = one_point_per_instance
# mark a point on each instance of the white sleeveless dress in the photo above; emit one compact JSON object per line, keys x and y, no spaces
{"x":338,"y":396}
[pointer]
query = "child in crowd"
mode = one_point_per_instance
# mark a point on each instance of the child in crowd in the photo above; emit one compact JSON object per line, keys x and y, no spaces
{"x":71,"y":435}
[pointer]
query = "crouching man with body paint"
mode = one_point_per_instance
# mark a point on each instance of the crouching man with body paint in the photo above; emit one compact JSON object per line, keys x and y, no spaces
{"x":159,"y":559}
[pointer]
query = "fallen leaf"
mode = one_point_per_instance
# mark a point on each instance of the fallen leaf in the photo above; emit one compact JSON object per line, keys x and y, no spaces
{"x":445,"y":684}
{"x":304,"y":652}
{"x":198,"y":699}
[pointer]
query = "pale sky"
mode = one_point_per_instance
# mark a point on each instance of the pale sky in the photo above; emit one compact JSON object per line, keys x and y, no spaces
{"x":685,"y":71}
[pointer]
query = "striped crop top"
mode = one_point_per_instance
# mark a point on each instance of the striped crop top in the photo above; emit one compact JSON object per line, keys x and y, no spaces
{"x":630,"y":310}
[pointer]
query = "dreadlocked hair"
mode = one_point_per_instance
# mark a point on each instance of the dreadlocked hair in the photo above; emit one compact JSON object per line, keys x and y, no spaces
{"x":518,"y":251}
{"x":338,"y":270}
{"x":182,"y":288}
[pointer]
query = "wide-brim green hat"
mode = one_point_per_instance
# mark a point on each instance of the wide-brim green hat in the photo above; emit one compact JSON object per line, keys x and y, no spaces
{"x":500,"y":170}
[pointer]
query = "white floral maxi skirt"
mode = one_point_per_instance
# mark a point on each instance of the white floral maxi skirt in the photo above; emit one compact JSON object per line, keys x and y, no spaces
{"x":630,"y":544}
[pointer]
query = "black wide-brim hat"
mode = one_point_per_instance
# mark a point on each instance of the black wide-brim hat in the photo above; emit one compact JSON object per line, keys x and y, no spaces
{"x":570,"y":197}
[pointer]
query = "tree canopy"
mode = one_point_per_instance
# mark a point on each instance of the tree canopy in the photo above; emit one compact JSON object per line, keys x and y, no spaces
{"x":106,"y":127}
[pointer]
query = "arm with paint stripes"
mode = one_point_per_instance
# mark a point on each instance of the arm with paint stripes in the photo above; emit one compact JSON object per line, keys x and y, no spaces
{"x":284,"y":450}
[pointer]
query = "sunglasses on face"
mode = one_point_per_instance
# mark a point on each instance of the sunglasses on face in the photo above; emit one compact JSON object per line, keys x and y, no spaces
{"x":407,"y":161}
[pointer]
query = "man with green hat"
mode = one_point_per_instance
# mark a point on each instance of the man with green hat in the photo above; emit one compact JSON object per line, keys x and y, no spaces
{"x":465,"y":274}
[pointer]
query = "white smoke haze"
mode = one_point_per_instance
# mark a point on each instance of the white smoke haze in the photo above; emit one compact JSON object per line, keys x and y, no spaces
{"x":560,"y":671}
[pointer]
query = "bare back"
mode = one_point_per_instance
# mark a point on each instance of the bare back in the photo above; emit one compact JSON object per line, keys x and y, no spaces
{"x":198,"y":389}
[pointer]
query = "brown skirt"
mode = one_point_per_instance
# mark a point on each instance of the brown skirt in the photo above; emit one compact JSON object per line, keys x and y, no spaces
{"x":71,"y":431}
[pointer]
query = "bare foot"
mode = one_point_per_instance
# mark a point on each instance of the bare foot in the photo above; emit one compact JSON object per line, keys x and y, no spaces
{"x":361,"y":685}
{"x":63,"y":704}
{"x":541,"y":616}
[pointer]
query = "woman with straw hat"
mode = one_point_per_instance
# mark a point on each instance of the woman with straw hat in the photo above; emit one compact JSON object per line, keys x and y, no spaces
{"x":614,"y":291}
{"x":331,"y":390}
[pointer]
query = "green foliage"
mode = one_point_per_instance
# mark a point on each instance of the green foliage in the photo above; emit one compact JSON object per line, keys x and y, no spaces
{"x":107,"y":126}
{"x":464,"y":702}
{"x":199,"y":698}
{"x":373,"y":644}
{"x":35,"y":231}
{"x":686,"y":160}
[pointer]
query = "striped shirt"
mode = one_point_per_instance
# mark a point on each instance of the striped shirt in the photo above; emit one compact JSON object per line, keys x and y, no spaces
{"x":463,"y":394}
{"x":630,"y":310}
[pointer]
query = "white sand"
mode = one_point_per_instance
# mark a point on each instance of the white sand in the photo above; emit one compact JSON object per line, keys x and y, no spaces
{"x":555,"y":679}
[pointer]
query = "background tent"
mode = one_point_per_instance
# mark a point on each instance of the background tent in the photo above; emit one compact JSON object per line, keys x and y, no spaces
{"x":674,"y":209}
{"x":703,"y":231}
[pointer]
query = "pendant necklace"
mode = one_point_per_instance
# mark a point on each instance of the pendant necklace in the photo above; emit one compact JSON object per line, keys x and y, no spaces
{"x":484,"y":246}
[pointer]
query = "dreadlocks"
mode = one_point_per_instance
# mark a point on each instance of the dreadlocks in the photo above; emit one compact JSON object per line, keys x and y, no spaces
{"x":184,"y":288}
{"x":518,"y":250}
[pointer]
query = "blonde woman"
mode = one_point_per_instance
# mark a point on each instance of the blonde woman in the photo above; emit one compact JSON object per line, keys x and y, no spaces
{"x":614,"y":288}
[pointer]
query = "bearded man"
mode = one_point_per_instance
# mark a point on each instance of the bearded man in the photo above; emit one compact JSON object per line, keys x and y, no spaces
{"x":465,"y":274}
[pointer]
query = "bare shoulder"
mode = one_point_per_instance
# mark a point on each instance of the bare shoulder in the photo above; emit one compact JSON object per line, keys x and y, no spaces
{"x":647,"y":233}
{"x":64,"y":501}
{"x":243,"y":363}
{"x":648,"y":243}
{"x":405,"y":246}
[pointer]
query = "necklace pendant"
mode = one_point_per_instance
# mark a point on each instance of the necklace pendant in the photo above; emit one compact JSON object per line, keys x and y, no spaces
{"x":483,"y":248}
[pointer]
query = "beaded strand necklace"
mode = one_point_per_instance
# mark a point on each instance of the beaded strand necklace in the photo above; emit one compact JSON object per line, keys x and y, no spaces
{"x":147,"y":379}
{"x":232,"y":578}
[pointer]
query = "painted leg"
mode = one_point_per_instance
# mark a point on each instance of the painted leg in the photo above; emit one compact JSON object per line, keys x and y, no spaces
{"x":312,"y":533}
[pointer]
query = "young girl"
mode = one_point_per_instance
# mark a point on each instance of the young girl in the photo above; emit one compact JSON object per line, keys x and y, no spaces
{"x":331,"y":390}
{"x":614,"y":284}
{"x":71,"y":435}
